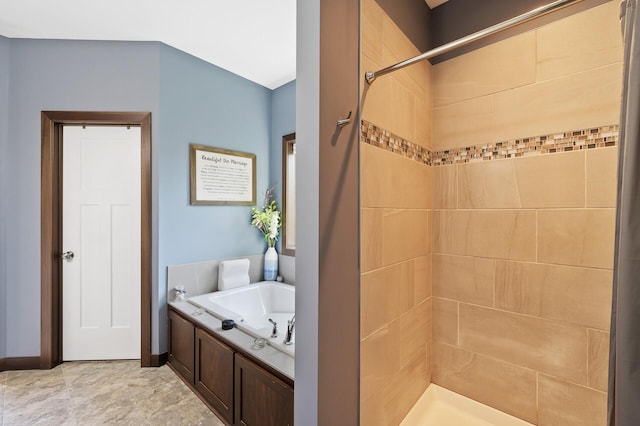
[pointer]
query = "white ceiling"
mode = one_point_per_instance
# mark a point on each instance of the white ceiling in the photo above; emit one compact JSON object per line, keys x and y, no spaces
{"x":255,"y":39}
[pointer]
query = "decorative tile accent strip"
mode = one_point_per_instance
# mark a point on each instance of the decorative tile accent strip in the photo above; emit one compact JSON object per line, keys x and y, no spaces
{"x":381,"y":138}
{"x":597,"y":137}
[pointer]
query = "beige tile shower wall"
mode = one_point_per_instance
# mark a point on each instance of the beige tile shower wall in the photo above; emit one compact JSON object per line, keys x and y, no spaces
{"x":565,"y":75}
{"x":396,"y":203}
{"x":522,"y":279}
{"x":399,"y":102}
{"x":395,"y":305}
{"x":523,"y":247}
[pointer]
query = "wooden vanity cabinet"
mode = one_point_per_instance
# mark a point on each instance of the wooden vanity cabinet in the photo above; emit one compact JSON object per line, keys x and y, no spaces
{"x":181,"y":346}
{"x":214,"y":373}
{"x":261,"y":399}
{"x":241,"y":390}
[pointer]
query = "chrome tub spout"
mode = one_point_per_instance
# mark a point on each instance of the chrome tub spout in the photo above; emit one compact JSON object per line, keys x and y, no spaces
{"x":290,"y":325}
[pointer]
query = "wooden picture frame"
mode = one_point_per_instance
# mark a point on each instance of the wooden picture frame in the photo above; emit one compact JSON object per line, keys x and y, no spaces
{"x":221,"y":177}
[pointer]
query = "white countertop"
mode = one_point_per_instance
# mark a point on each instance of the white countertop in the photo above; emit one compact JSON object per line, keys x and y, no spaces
{"x":274,"y":358}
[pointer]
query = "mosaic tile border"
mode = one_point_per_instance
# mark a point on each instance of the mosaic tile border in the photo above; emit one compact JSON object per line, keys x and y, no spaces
{"x":376,"y":136}
{"x":596,"y":137}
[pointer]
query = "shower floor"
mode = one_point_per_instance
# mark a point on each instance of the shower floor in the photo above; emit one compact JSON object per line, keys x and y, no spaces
{"x":441,"y":407}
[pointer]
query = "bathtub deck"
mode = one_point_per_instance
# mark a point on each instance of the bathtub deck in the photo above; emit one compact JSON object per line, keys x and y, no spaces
{"x":441,"y":407}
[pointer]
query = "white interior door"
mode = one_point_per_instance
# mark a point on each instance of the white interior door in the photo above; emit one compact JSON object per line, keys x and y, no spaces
{"x":101,"y":226}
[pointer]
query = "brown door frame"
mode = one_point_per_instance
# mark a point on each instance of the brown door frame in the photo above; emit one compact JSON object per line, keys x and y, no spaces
{"x":51,"y":226}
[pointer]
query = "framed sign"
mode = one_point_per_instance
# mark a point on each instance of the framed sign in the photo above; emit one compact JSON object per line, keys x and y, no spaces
{"x":220,"y":177}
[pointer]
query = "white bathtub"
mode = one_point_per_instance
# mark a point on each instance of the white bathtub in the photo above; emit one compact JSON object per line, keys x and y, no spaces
{"x":251,"y":307}
{"x":439,"y":406}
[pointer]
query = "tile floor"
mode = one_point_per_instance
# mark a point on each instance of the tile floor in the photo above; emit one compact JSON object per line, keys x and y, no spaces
{"x":99,"y":393}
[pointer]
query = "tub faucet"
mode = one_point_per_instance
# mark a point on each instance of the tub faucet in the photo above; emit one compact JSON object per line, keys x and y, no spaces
{"x":290,"y":324}
{"x":180,"y":293}
{"x":274,"y":332}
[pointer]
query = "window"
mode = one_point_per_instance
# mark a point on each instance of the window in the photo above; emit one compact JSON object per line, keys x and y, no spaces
{"x":289,"y":194}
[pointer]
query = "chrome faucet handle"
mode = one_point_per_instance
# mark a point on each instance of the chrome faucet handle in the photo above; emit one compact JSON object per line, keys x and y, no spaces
{"x":274,"y":332}
{"x":290,"y":325}
{"x":180,"y":293}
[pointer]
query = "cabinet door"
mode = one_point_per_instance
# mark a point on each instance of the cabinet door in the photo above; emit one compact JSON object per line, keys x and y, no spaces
{"x":214,"y":373}
{"x":181,"y":345}
{"x":261,"y":399}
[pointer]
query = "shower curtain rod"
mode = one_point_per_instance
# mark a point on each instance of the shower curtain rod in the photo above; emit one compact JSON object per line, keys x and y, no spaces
{"x":543,"y":10}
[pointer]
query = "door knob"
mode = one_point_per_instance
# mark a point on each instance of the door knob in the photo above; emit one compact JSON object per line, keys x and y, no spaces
{"x":67,"y":255}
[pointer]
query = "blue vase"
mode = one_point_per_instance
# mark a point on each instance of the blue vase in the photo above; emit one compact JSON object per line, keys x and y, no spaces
{"x":271,"y":264}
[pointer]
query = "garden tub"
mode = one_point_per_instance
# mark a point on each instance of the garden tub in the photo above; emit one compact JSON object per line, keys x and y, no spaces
{"x":252,"y":306}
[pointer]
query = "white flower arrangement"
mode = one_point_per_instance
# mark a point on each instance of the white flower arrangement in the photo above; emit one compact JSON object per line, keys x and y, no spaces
{"x":267,"y":220}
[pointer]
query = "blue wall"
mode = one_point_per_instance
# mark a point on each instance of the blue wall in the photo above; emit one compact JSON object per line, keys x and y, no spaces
{"x":191,"y":102}
{"x":58,"y":75}
{"x":205,"y":105}
{"x":283,"y":110}
{"x":4,"y":140}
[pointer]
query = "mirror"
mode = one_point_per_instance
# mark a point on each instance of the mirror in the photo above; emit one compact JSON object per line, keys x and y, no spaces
{"x":289,"y":194}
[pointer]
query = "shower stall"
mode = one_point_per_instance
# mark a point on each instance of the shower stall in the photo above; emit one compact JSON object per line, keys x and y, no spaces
{"x":488,"y":188}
